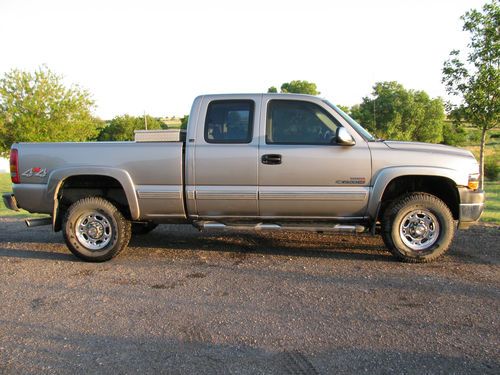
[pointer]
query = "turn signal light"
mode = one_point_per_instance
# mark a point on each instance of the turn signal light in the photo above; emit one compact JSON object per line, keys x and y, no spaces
{"x":473,"y":181}
{"x":14,"y":166}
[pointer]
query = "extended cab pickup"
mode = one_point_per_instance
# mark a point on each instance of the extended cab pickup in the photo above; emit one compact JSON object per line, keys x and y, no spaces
{"x":257,"y":161}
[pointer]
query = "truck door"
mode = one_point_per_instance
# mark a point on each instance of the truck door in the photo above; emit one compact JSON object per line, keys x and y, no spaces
{"x":303,"y":172}
{"x":224,"y":159}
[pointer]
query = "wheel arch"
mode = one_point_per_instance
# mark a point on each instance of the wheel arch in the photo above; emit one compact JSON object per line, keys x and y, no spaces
{"x":119,"y":178}
{"x":392,"y":182}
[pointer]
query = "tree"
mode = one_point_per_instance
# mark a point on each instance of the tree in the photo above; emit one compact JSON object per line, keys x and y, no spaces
{"x":344,"y":108}
{"x":296,"y":87}
{"x":454,"y":133}
{"x":184,"y":122}
{"x":476,"y":80}
{"x":38,"y":107}
{"x":121,"y":128}
{"x":396,"y":113}
{"x":300,"y":87}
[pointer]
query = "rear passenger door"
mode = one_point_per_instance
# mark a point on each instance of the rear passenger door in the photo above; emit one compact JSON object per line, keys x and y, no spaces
{"x":225,"y":157}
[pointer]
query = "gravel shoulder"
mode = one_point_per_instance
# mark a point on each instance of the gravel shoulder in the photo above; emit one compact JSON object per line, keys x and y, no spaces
{"x":183,"y":302}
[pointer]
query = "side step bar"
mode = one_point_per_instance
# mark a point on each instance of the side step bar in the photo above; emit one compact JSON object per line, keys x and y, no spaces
{"x":215,"y":225}
{"x":38,"y":222}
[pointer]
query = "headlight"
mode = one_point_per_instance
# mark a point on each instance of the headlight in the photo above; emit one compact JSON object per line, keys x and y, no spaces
{"x":473,"y":181}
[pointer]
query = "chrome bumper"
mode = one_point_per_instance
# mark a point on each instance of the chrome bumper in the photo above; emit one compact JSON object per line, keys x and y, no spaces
{"x":9,"y":200}
{"x":471,"y":206}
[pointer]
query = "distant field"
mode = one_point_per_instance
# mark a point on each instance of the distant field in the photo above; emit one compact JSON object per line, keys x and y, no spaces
{"x":492,"y":143}
{"x":492,"y":154}
{"x":491,"y":215}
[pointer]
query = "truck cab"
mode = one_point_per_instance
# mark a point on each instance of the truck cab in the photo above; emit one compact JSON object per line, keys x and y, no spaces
{"x":274,"y":156}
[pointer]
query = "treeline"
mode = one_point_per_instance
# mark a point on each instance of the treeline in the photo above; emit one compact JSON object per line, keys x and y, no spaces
{"x":121,"y":128}
{"x":394,"y":112}
{"x":38,"y":107}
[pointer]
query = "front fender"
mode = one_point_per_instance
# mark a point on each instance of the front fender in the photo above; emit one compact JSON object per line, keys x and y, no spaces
{"x":58,"y":176}
{"x":386,"y":175}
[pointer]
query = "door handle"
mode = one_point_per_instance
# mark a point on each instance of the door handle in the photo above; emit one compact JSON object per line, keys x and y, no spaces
{"x":271,"y":159}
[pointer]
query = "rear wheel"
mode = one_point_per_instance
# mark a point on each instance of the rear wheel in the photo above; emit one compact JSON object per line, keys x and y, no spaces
{"x":418,"y":228}
{"x":95,"y":230}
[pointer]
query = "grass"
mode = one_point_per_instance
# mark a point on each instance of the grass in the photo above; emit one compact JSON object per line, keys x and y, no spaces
{"x":6,"y":187}
{"x":492,"y":211}
{"x":490,"y":215}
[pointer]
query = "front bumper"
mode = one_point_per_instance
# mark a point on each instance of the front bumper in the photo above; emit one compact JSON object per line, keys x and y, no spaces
{"x":9,"y":200}
{"x":471,"y":206}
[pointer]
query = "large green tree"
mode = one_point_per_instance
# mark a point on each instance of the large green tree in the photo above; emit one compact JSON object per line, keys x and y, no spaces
{"x":296,"y":87}
{"x":38,"y":107}
{"x":121,"y":128}
{"x":394,"y":112}
{"x":475,"y":79}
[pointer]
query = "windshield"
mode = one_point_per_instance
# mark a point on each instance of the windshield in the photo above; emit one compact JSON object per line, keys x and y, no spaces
{"x":362,"y":131}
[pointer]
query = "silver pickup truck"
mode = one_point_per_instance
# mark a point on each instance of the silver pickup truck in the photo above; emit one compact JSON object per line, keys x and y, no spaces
{"x":251,"y":162}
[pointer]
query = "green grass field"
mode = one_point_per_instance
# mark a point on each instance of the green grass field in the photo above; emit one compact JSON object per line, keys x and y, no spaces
{"x":492,"y":212}
{"x":491,"y":215}
{"x":5,"y":187}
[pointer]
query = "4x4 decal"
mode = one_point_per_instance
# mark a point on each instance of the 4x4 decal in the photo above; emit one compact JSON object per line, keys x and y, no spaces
{"x":35,"y":171}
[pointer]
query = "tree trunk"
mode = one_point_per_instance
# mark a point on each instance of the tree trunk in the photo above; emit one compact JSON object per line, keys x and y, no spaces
{"x":481,"y":158}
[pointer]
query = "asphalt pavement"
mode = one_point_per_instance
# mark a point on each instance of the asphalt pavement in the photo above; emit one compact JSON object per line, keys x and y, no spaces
{"x":178,"y":301}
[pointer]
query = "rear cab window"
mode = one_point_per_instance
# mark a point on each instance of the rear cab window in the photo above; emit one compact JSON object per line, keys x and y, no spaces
{"x":229,"y":121}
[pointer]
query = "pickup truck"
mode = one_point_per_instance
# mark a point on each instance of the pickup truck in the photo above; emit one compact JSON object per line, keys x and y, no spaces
{"x":251,"y":162}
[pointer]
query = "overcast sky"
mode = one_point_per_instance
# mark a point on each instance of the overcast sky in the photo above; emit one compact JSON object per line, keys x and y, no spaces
{"x":156,"y":56}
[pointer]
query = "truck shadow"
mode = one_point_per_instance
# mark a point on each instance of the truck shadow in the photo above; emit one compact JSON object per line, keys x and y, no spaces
{"x":36,"y":254}
{"x":472,"y":246}
{"x":294,"y":244}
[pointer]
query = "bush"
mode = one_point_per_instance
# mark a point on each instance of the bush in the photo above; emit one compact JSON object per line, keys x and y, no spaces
{"x":491,"y":168}
{"x":454,"y":135}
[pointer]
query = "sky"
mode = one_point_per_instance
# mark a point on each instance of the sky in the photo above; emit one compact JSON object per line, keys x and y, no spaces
{"x":157,"y":56}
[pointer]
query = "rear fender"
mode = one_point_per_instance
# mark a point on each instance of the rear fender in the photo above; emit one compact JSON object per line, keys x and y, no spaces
{"x":57,"y":178}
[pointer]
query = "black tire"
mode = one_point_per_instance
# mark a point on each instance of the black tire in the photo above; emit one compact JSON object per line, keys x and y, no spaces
{"x":418,"y":228}
{"x":102,"y":233}
{"x":143,"y":228}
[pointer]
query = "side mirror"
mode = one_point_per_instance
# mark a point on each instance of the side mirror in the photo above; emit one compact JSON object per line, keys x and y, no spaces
{"x":344,"y":138}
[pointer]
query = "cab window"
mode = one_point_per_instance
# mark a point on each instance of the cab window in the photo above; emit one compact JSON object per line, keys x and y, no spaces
{"x":229,"y":121}
{"x":299,"y":122}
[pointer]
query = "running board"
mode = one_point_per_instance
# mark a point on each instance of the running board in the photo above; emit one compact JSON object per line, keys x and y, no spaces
{"x":215,"y":225}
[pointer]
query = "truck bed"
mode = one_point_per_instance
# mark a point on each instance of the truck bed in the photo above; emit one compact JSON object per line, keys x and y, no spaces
{"x":154,"y":168}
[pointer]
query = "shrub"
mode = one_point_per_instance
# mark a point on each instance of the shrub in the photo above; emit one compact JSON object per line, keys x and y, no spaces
{"x":491,"y":168}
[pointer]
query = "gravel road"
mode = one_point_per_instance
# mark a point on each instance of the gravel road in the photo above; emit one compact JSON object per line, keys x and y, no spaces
{"x":183,"y":302}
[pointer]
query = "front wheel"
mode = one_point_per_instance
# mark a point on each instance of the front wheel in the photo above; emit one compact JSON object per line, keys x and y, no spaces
{"x":95,"y":230}
{"x":418,"y":228}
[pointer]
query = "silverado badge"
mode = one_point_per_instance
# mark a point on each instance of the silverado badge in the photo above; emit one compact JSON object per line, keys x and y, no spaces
{"x":352,"y":181}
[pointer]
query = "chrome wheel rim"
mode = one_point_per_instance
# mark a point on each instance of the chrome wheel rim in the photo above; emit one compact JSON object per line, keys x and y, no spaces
{"x":419,"y":230}
{"x":94,"y":230}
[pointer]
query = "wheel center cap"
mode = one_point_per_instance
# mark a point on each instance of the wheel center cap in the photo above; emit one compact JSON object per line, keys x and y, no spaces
{"x":420,"y":230}
{"x":95,"y":230}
